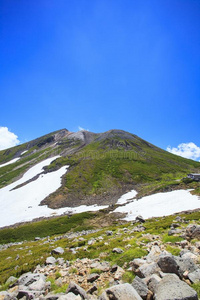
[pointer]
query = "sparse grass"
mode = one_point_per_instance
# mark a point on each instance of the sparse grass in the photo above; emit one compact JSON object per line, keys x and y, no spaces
{"x":55,"y":288}
{"x":73,"y":271}
{"x":94,"y":271}
{"x":45,"y":228}
{"x":173,"y":250}
{"x":128,"y":256}
{"x":40,"y":251}
{"x":196,"y":287}
{"x":128,"y":276}
{"x":171,"y":238}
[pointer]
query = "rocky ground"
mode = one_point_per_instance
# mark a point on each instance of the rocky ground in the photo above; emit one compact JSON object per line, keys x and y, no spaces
{"x":158,"y":275}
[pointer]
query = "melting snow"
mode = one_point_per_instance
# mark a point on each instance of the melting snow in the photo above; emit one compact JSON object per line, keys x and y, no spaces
{"x":24,"y":152}
{"x":22,"y":204}
{"x":127,"y":197}
{"x":10,"y":162}
{"x":160,"y":204}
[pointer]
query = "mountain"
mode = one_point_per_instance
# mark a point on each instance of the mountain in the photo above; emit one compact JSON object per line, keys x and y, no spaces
{"x":102,"y":166}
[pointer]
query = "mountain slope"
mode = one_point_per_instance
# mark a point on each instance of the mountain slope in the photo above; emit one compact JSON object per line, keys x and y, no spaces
{"x":101,"y":166}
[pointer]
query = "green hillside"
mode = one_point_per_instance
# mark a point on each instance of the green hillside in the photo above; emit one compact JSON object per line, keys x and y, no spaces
{"x":102,"y":166}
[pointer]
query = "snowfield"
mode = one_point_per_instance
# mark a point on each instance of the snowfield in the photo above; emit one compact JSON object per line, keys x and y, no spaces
{"x":22,"y":204}
{"x":160,"y":204}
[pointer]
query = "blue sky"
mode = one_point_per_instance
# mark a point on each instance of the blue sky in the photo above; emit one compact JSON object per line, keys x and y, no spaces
{"x":101,"y":64}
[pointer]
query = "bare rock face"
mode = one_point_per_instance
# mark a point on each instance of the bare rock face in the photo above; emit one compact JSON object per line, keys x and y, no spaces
{"x":122,"y":292}
{"x":171,"y":287}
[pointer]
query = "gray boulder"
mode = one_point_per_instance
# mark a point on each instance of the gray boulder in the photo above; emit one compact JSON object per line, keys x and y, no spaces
{"x":58,"y":250}
{"x":193,"y":231}
{"x":60,"y":261}
{"x":117,"y":250}
{"x":92,"y":277}
{"x":109,"y":232}
{"x":137,"y":262}
{"x":120,"y":292}
{"x":147,"y":270}
{"x":29,"y":279}
{"x":11,"y":280}
{"x":140,"y":219}
{"x":194,"y":276}
{"x":50,"y":260}
{"x":76,"y":290}
{"x":185,"y":265}
{"x":168,"y":264}
{"x":172,"y":288}
{"x":140,"y":287}
{"x":153,"y":281}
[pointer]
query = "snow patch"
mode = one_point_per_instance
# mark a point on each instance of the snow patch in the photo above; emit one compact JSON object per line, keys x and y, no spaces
{"x":22,"y":204}
{"x":127,"y":197}
{"x":160,"y":204}
{"x":23,"y":152}
{"x":10,"y":162}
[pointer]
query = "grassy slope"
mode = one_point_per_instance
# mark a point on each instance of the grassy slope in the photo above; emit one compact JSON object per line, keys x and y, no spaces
{"x":103,"y":169}
{"x":40,"y":251}
{"x":112,"y":163}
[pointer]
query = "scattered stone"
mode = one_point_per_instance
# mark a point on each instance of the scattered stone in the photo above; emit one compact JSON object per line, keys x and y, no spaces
{"x":60,"y":261}
{"x":109,"y":232}
{"x":118,"y":274}
{"x":91,"y":241}
{"x":113,"y":268}
{"x":50,"y":260}
{"x":171,"y":288}
{"x":193,"y":231}
{"x":92,"y":289}
{"x":139,"y":228}
{"x":92,"y":277}
{"x":140,"y":219}
{"x":178,"y":219}
{"x":11,"y":280}
{"x":117,"y":250}
{"x":58,"y":250}
{"x":37,"y":238}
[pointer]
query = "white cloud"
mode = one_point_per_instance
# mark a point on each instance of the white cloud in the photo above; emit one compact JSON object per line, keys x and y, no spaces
{"x":187,"y":150}
{"x":7,"y":139}
{"x":81,"y":129}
